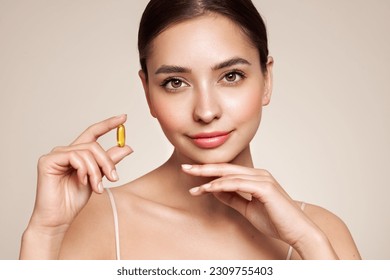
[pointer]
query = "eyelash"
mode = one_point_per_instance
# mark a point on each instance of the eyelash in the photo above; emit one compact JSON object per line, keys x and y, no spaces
{"x":169,"y":80}
{"x":237,"y":72}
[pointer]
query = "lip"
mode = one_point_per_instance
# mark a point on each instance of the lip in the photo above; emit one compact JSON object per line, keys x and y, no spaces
{"x":210,"y":140}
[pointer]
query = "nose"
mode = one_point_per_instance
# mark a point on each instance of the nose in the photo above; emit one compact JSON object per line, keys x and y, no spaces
{"x":206,"y":107}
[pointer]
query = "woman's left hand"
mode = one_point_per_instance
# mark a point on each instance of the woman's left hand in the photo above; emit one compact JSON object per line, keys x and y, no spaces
{"x":270,"y":209}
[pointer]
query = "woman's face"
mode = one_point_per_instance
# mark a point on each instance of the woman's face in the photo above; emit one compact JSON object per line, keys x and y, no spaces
{"x":206,"y":88}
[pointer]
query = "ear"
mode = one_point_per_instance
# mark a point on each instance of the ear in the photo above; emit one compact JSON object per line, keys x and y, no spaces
{"x":268,"y":81}
{"x":145,"y":85}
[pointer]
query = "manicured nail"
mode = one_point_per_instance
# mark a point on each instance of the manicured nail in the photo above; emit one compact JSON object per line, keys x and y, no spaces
{"x":120,"y":116}
{"x":194,"y":190}
{"x":206,"y":186}
{"x":100,"y":187}
{"x":186,"y":166}
{"x":114,"y":175}
{"x":85,"y":181}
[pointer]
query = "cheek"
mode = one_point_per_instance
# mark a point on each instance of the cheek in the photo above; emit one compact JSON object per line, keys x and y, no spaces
{"x":170,"y":113}
{"x":248,"y":107}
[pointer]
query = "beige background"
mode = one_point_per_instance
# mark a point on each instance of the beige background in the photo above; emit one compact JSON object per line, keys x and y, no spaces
{"x":325,"y":136}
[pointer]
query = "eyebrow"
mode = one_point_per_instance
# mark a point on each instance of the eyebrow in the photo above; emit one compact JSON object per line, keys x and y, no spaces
{"x":230,"y":62}
{"x":169,"y":69}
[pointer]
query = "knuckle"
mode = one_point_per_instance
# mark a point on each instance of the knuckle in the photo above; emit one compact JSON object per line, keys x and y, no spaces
{"x":268,"y":187}
{"x":266,"y":172}
{"x":89,"y":129}
{"x":57,"y":149}
{"x":230,"y":176}
{"x":74,"y":154}
{"x":81,"y":170}
{"x":237,"y":181}
{"x":42,"y":160}
{"x":87,"y":154}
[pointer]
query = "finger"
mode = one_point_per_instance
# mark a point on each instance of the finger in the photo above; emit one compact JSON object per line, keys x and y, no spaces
{"x":220,"y":169}
{"x":84,"y":164}
{"x":93,"y":170}
{"x":115,"y":153}
{"x":78,"y":164}
{"x":258,"y":178}
{"x":82,"y":170}
{"x":263,"y":191}
{"x":118,"y":153}
{"x":96,"y":130}
{"x":102,"y":158}
{"x":244,"y":177}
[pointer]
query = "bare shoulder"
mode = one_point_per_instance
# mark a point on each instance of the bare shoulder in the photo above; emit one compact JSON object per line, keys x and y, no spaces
{"x":336,"y":231}
{"x":91,"y":235}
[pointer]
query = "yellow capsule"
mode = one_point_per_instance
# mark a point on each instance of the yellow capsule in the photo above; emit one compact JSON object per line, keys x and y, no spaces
{"x":121,"y":135}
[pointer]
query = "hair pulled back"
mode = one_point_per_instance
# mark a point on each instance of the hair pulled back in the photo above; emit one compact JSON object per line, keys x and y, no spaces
{"x":161,"y":14}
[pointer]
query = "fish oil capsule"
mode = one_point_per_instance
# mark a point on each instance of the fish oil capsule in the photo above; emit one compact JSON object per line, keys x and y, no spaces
{"x":121,"y":135}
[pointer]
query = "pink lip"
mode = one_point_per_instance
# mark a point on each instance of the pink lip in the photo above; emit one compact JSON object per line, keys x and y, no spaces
{"x":210,"y":140}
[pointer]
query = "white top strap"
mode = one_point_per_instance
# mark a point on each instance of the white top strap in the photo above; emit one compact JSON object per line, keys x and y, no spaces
{"x":116,"y":226}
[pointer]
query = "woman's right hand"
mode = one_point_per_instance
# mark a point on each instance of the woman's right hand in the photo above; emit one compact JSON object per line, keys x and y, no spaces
{"x":68,"y":175}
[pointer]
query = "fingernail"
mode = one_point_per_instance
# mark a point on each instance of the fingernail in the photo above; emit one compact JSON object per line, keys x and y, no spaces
{"x":100,"y":187}
{"x":114,"y":175}
{"x":194,"y":190}
{"x":186,"y":166}
{"x":206,"y":186}
{"x":85,"y":181}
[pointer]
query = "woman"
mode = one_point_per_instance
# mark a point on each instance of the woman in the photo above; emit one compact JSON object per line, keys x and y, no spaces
{"x":206,"y":74}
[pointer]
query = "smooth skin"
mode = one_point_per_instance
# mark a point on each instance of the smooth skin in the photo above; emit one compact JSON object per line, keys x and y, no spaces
{"x":204,"y":75}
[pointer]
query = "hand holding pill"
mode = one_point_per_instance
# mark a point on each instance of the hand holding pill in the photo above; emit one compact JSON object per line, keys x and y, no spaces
{"x":68,"y":175}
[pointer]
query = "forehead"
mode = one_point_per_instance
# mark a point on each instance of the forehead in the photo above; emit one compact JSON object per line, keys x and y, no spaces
{"x":206,"y":39}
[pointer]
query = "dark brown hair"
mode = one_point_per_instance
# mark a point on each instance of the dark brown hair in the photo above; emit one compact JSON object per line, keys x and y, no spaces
{"x":160,"y":14}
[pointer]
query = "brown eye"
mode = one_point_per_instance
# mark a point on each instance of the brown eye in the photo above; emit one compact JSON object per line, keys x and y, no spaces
{"x":175,"y":83}
{"x":231,"y":77}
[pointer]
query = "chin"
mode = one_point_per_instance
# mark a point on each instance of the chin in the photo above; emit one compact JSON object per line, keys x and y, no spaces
{"x":209,"y":156}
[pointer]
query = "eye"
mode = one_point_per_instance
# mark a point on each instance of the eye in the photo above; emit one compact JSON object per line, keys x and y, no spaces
{"x":175,"y":83}
{"x":233,"y":77}
{"x":172,"y":84}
